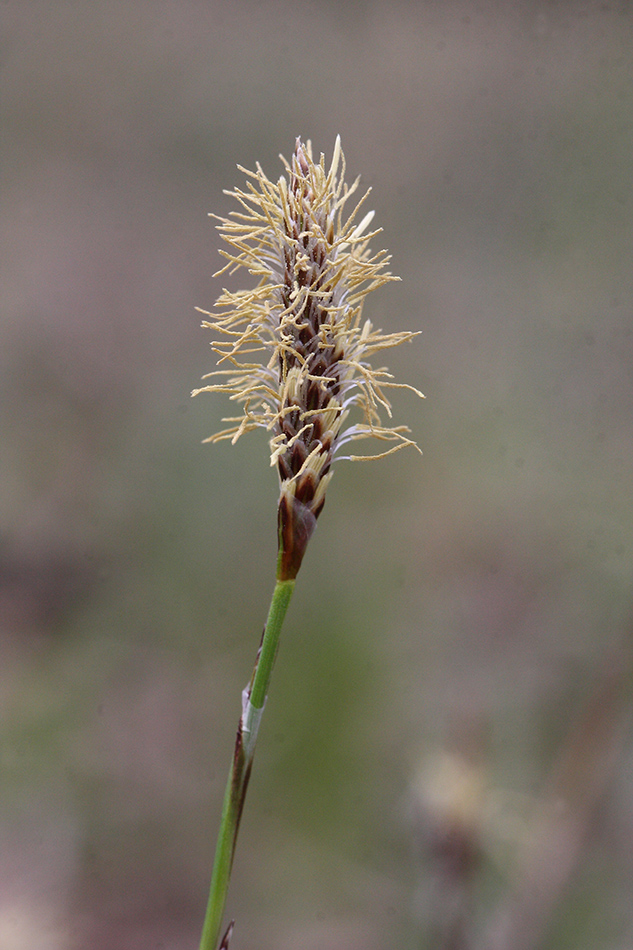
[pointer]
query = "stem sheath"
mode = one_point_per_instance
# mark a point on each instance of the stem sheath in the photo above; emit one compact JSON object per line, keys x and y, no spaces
{"x":253,"y":701}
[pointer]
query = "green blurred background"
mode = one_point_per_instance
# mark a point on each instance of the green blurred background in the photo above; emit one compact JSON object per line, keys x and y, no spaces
{"x":454,"y":670}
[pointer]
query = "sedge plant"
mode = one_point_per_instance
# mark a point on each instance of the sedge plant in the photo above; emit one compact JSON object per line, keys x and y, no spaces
{"x":293,"y":353}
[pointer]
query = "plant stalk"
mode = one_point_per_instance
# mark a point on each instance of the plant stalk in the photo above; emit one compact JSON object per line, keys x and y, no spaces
{"x":253,"y":700}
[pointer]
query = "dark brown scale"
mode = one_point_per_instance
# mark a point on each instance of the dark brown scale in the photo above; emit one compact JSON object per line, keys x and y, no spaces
{"x":291,"y":422}
{"x":319,"y":367}
{"x":316,"y":509}
{"x":288,"y":435}
{"x":285,"y":472}
{"x":306,"y":487}
{"x":316,"y":432}
{"x":314,"y":444}
{"x":296,"y":522}
{"x":299,"y":453}
{"x":326,"y":442}
{"x":312,"y":397}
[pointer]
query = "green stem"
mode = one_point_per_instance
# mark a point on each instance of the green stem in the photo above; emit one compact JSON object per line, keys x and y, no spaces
{"x":253,"y":704}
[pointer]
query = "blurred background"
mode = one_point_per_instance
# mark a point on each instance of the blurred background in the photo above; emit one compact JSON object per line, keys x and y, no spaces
{"x":446,"y":758}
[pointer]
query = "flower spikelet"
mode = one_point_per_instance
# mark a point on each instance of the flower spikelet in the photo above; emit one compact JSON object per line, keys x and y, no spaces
{"x":293,"y":350}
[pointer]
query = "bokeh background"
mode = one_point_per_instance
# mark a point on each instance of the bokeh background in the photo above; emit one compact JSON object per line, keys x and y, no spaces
{"x":445,"y":760}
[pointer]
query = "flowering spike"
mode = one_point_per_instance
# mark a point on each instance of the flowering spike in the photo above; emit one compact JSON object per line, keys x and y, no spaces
{"x":314,"y":270}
